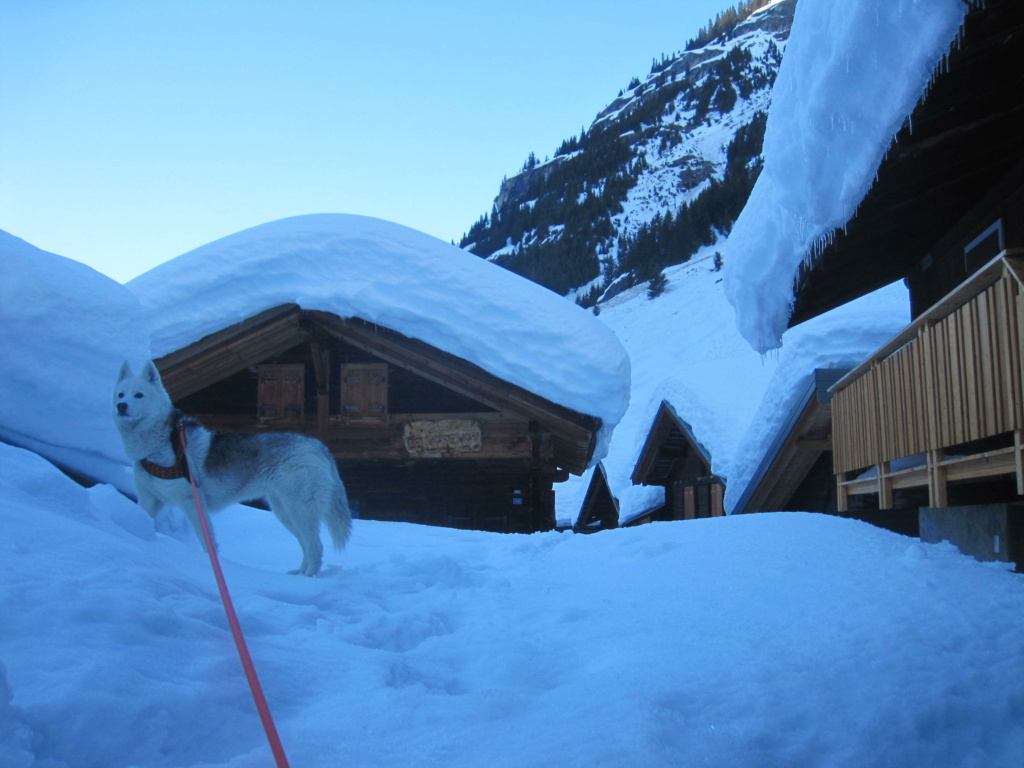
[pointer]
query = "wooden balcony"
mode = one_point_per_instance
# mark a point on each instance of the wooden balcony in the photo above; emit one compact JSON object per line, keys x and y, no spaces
{"x":927,"y":408}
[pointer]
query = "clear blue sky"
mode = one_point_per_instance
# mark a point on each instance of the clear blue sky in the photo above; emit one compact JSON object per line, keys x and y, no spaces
{"x":134,"y":131}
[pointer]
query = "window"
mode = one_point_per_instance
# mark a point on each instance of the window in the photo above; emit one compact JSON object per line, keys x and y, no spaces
{"x":985,"y":247}
{"x":282,"y":390}
{"x":364,"y":392}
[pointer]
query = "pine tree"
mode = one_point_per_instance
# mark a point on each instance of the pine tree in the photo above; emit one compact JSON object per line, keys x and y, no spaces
{"x":657,"y":285}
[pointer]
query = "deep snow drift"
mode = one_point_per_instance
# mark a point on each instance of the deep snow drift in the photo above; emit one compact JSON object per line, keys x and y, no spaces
{"x":852,"y":73}
{"x":757,"y":640}
{"x":65,"y":329}
{"x":422,"y":287}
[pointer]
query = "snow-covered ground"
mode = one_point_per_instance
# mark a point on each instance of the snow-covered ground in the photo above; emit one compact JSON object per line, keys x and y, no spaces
{"x":759,"y":640}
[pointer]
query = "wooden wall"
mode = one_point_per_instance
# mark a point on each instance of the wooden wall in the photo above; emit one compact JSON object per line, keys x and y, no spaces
{"x":957,"y":381}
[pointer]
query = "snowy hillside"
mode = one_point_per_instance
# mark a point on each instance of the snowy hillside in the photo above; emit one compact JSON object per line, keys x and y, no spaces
{"x":671,"y":159}
{"x":758,"y":640}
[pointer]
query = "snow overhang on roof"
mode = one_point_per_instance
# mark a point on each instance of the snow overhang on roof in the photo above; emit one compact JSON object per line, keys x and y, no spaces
{"x":403,"y":280}
{"x":852,"y":73}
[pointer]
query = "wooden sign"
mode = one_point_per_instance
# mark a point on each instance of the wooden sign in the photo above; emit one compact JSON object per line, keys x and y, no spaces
{"x":445,"y":437}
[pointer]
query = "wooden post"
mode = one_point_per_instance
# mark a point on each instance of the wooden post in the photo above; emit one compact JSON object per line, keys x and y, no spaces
{"x":937,"y":496}
{"x":321,"y":368}
{"x":842,"y":495}
{"x":884,"y":486}
{"x":717,"y":500}
{"x":1018,"y":460}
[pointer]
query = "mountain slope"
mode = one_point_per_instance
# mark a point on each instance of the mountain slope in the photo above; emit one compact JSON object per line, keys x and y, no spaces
{"x":662,"y":171}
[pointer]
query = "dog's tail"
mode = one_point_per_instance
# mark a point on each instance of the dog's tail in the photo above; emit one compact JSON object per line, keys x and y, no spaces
{"x":337,"y":516}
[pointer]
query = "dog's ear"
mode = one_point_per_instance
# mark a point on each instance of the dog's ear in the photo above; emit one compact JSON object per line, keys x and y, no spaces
{"x":150,"y":373}
{"x":126,"y":372}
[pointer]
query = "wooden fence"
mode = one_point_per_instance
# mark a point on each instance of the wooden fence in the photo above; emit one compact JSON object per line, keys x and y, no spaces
{"x":953,"y":376}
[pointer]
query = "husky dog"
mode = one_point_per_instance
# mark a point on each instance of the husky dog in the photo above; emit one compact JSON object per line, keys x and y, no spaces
{"x":295,"y":474}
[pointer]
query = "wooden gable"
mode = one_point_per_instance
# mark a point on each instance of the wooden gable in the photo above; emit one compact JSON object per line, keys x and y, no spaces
{"x":672,"y":457}
{"x":418,"y":433}
{"x":671,"y":450}
{"x":234,"y":349}
{"x":600,"y":509}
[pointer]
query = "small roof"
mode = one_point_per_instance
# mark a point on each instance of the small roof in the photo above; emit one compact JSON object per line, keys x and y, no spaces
{"x":600,"y":509}
{"x":802,"y":439}
{"x":390,"y":276}
{"x":669,"y":440}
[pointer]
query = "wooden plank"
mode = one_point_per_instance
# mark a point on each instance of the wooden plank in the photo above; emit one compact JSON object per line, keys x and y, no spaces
{"x":989,"y":464}
{"x":914,"y":477}
{"x":930,"y":395}
{"x":987,"y":363}
{"x":956,"y":380}
{"x":861,"y":487}
{"x":1015,"y":359}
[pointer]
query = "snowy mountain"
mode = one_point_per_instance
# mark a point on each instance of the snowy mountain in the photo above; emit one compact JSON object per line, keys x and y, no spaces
{"x":661,"y":172}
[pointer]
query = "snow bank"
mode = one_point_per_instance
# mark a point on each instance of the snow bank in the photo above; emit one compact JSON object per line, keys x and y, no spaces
{"x":852,"y":73}
{"x":842,"y":338}
{"x":798,"y":640}
{"x":65,"y":329}
{"x":424,"y":288}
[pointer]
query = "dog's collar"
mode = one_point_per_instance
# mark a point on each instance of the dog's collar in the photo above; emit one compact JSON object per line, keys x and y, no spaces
{"x":179,"y":469}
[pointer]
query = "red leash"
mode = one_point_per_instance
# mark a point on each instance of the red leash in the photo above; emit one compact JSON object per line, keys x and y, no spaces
{"x":236,"y":630}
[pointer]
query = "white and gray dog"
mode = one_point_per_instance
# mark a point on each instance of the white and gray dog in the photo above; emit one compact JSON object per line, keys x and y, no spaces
{"x":296,"y":475}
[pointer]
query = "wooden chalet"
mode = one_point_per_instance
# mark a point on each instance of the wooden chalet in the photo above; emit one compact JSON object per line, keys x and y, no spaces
{"x":419,"y":434}
{"x":795,"y":473}
{"x":600,"y":509}
{"x":935,"y":417}
{"x":672,"y":457}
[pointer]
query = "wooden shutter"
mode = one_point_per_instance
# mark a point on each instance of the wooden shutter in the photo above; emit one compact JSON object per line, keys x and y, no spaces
{"x":364,"y":392}
{"x":282,"y":393}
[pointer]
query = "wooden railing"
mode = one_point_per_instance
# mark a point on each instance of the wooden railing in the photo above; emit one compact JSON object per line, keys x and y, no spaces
{"x":951,"y":377}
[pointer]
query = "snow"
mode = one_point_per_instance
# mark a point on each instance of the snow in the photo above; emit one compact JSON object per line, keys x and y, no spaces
{"x":685,"y":349}
{"x":836,"y":107}
{"x":759,"y":640}
{"x":841,"y":339}
{"x":405,"y":280}
{"x":65,"y":330}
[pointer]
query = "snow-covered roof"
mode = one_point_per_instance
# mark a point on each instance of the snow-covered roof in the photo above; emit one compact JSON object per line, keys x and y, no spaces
{"x":852,"y":74}
{"x":65,"y":330}
{"x":405,"y":280}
